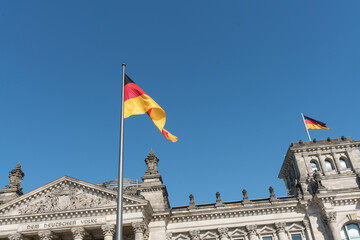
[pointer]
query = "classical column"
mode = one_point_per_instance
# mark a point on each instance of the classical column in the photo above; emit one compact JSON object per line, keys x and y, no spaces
{"x":108,"y":231}
{"x":223,"y":232}
{"x":16,"y":236}
{"x":78,"y":233}
{"x":308,"y":230}
{"x":252,"y":232}
{"x":195,"y":234}
{"x":139,"y":229}
{"x":280,"y":230}
{"x":46,"y":235}
{"x":330,"y":220}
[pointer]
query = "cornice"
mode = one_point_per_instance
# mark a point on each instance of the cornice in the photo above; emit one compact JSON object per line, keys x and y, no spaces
{"x":223,"y":212}
{"x":307,"y":149}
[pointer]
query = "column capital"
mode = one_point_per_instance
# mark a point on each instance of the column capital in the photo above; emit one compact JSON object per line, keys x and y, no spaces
{"x":169,"y":236}
{"x":16,"y":236}
{"x":46,"y":235}
{"x":195,"y":234}
{"x":108,"y":229}
{"x":251,"y":229}
{"x":78,"y":232}
{"x":280,"y":226}
{"x":139,"y":227}
{"x":329,"y":217}
{"x":223,"y":232}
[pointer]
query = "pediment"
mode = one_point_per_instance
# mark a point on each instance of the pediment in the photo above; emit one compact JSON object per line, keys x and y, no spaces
{"x":295,"y":227}
{"x":66,"y":194}
{"x":266,"y":230}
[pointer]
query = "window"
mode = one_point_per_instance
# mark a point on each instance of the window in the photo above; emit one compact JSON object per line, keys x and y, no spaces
{"x":329,"y":165}
{"x":343,"y":163}
{"x":314,"y":166}
{"x":266,"y":238}
{"x":350,"y":232}
{"x":296,"y":237}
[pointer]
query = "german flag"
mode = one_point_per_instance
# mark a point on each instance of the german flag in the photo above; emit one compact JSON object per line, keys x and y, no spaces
{"x":137,"y":102}
{"x":314,"y":124}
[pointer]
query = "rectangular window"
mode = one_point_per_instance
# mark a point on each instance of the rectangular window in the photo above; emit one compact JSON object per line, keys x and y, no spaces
{"x":267,"y":238}
{"x":296,"y":237}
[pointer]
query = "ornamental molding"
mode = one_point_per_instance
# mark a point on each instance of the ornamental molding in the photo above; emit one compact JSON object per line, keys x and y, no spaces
{"x":325,"y":148}
{"x":210,"y":214}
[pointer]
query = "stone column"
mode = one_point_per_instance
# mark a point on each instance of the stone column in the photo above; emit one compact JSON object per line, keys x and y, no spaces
{"x":46,"y":235}
{"x":78,"y":233}
{"x":308,"y":230}
{"x":223,"y":232}
{"x":252,"y":232}
{"x":330,"y":220}
{"x":337,"y":162}
{"x":195,"y":234}
{"x":139,"y":229}
{"x":280,"y":230}
{"x":108,"y":231}
{"x":16,"y":236}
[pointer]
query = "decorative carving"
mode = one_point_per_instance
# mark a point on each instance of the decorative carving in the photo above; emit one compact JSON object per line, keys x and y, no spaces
{"x":15,"y":177}
{"x":329,"y":217}
{"x":46,"y":235}
{"x":195,"y":234}
{"x":169,"y":236}
{"x":245,"y":196}
{"x":16,"y":236}
{"x":139,"y":227}
{"x":192,"y":203}
{"x":251,"y":229}
{"x":65,"y":198}
{"x":78,"y":232}
{"x":152,"y":164}
{"x":223,"y":232}
{"x":306,"y":223}
{"x":108,"y":229}
{"x":317,"y":177}
{"x":280,"y":226}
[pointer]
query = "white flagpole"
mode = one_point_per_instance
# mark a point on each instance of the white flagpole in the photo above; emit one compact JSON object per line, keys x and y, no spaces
{"x":307,"y":130}
{"x":119,"y":213}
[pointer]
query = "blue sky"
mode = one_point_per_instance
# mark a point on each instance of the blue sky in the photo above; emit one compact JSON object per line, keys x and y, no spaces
{"x":233,"y":77}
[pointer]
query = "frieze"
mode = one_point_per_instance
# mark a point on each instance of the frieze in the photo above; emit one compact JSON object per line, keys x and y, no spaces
{"x":62,"y":224}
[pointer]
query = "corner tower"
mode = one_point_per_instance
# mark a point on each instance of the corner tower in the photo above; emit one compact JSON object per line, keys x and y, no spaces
{"x":321,"y":166}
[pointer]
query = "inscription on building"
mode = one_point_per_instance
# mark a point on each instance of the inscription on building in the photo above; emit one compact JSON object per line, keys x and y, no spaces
{"x":63,"y":223}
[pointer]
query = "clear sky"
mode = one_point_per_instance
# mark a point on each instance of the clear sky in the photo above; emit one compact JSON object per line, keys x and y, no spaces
{"x":233,"y":77}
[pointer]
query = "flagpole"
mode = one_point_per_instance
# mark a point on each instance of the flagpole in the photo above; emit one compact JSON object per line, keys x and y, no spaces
{"x":119,"y":213}
{"x":307,"y":130}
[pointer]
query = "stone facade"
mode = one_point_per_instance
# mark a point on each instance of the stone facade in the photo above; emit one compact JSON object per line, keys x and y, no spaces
{"x":321,"y":177}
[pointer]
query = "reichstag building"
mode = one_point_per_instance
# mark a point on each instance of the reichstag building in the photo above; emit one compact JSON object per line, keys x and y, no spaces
{"x":323,"y":203}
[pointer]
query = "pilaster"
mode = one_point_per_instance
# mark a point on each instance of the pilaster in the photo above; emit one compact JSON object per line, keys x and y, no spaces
{"x":280,"y":230}
{"x":139,"y":230}
{"x":224,"y":233}
{"x":252,"y":232}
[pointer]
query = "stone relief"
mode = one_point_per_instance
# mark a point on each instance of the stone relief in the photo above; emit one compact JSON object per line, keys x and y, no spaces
{"x":66,"y":197}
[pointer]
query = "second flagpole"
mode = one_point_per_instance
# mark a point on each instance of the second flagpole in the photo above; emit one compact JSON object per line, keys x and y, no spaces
{"x":307,"y":130}
{"x":119,"y":213}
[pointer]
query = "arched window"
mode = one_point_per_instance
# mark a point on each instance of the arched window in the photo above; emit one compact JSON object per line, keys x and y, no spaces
{"x":314,"y":165}
{"x":329,"y":165}
{"x":350,"y":232}
{"x":343,"y":163}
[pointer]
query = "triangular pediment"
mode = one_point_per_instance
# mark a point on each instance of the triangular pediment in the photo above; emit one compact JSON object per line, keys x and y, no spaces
{"x":66,"y":194}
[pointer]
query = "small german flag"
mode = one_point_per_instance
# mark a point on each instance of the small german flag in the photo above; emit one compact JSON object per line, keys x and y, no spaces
{"x":137,"y":102}
{"x":314,"y":124}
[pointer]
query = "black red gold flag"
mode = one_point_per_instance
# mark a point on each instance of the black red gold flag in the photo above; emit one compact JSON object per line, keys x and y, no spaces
{"x":137,"y":102}
{"x":314,"y":124}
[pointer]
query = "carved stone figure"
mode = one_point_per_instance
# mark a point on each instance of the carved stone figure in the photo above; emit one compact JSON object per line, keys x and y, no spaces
{"x":152,"y":164}
{"x":218,"y":199}
{"x":65,"y":198}
{"x":317,"y":177}
{"x":192,"y":202}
